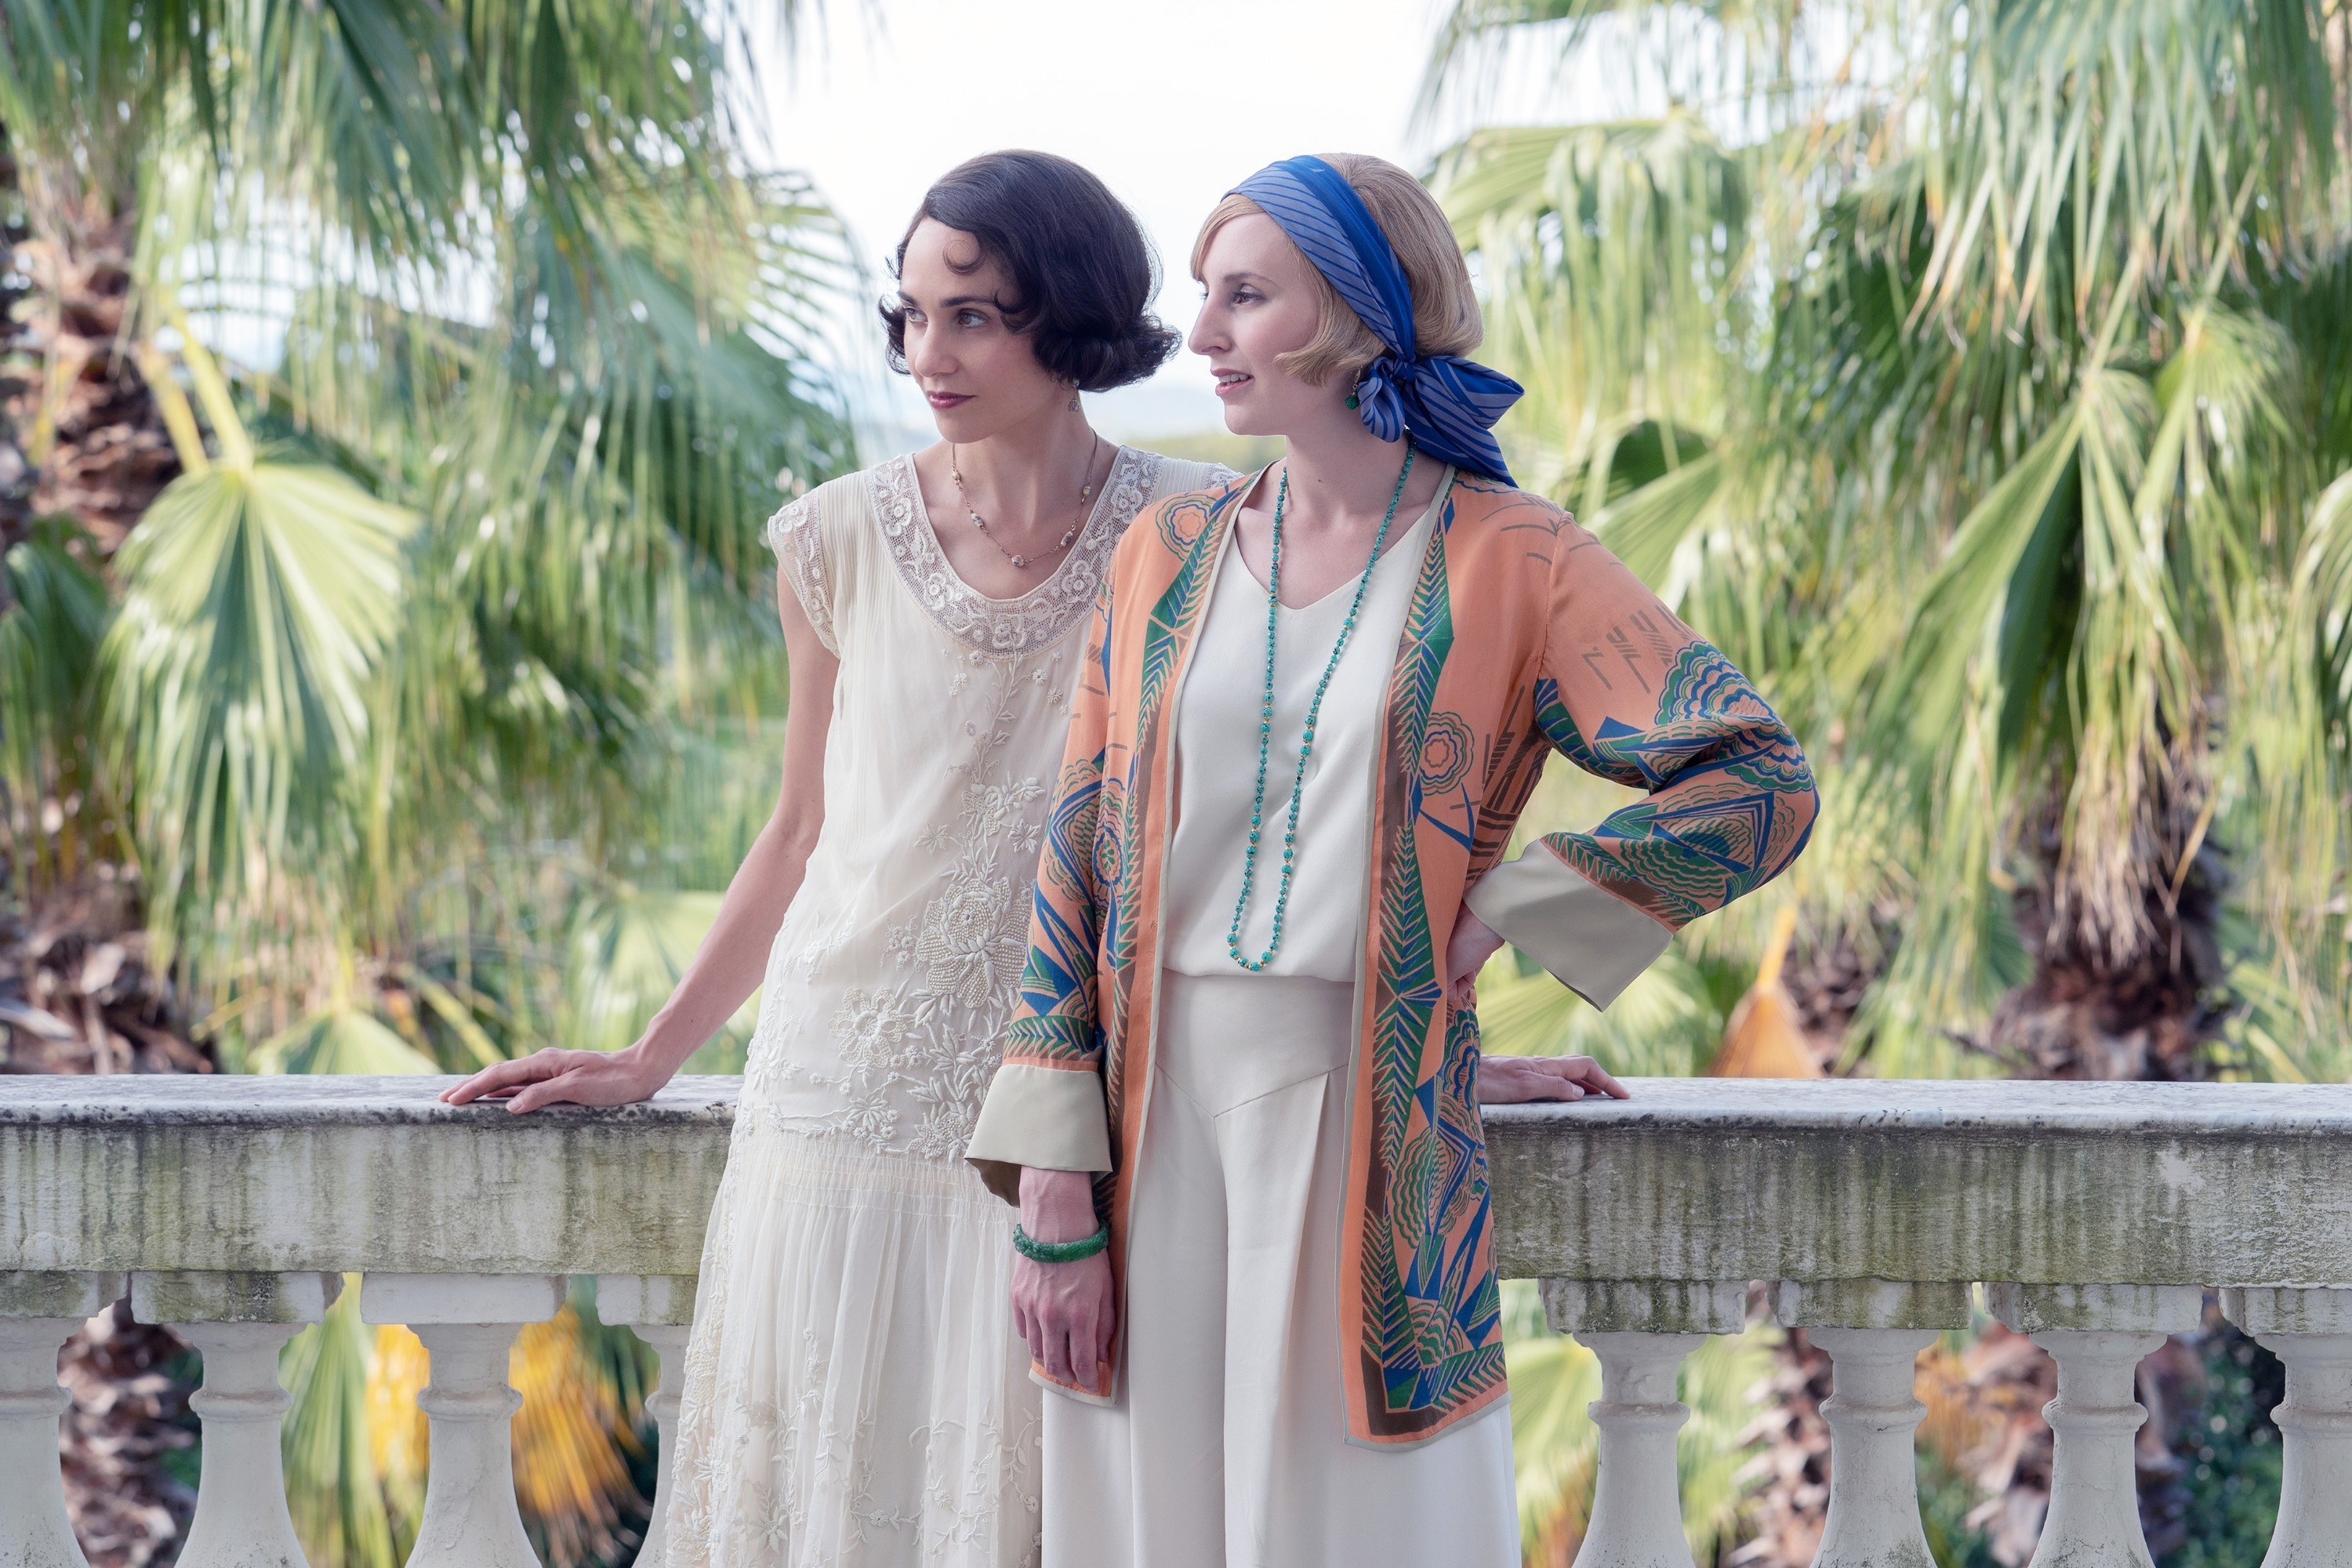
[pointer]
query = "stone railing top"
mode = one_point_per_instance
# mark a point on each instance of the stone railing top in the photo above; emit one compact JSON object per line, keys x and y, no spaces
{"x":231,"y":1101}
{"x":1693,"y":1104}
{"x":1691,"y":1180}
{"x":1723,"y":1105}
{"x":286,"y":1175}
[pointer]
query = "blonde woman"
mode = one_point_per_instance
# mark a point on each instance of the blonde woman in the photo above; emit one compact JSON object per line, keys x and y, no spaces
{"x":1238,"y":1103}
{"x":855,"y":1396}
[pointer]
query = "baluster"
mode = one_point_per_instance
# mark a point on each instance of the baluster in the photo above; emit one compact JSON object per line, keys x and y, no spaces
{"x":2097,"y":1334}
{"x":1640,"y":1330}
{"x":2311,"y":1332}
{"x":1873,"y":1331}
{"x":39,"y":1313}
{"x":659,"y":1309}
{"x":468,"y":1324}
{"x":238,"y":1323}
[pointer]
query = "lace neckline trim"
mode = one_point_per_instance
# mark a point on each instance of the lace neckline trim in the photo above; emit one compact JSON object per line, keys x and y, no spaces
{"x":1039,"y":617}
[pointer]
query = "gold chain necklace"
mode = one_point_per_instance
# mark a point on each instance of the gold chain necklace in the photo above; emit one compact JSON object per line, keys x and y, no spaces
{"x":1086,"y":495}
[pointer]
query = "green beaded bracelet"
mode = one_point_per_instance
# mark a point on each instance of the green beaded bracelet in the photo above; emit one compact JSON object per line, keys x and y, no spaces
{"x":1059,"y":1251}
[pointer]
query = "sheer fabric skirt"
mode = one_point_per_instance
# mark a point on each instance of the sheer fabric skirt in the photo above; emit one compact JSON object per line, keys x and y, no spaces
{"x":853,"y":1397}
{"x":1227,"y":1445}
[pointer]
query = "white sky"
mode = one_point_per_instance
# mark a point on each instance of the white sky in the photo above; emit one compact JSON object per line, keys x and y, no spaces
{"x":1169,"y":103}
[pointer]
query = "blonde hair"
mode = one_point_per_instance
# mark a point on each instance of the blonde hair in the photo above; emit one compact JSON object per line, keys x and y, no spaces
{"x":1446,"y":319}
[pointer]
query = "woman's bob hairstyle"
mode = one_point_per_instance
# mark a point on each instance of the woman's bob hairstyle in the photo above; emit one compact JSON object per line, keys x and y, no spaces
{"x":1445,"y":316}
{"x":1083,"y":276}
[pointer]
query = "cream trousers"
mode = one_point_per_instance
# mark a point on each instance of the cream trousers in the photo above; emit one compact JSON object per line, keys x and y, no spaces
{"x":1227,"y":1447}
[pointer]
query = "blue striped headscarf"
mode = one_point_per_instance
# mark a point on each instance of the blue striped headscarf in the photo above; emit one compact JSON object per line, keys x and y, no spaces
{"x":1450,"y":403}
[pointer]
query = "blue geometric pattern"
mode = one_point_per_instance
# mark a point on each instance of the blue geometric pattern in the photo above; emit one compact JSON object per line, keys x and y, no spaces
{"x":1727,"y":828}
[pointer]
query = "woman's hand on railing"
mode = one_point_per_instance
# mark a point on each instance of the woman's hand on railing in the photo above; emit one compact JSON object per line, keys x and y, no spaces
{"x":559,"y":1077}
{"x":1517,"y":1081}
{"x":1064,"y":1309}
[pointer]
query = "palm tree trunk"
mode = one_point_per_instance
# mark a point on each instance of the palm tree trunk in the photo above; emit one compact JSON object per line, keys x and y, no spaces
{"x":131,"y":1443}
{"x":83,"y":437}
{"x":2147,"y":1012}
{"x":15,"y":472}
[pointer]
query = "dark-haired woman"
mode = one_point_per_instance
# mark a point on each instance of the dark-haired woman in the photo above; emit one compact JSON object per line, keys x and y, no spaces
{"x":855,"y":1396}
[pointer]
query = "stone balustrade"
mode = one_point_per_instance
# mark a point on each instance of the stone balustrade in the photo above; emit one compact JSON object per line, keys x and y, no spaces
{"x":2095,"y":1216}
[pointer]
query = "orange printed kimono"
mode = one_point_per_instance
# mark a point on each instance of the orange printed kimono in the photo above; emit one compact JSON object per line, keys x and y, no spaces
{"x":1523,"y":637}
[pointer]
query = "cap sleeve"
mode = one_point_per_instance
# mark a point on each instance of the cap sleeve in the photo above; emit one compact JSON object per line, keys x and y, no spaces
{"x":797,"y":534}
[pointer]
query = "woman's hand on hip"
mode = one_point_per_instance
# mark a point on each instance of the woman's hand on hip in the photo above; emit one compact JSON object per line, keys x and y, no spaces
{"x":1517,"y":1081}
{"x":1064,"y":1309}
{"x":557,"y":1076}
{"x":1474,"y":942}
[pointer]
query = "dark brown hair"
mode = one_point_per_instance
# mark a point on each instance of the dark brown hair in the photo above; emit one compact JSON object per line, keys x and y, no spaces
{"x":1082,"y":273}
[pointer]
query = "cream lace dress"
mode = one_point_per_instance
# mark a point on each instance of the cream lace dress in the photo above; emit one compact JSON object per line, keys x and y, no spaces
{"x":854,"y":1394}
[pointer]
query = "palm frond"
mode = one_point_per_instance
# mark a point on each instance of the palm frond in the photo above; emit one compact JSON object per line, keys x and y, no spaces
{"x":1555,"y":1446}
{"x":1463,"y":53}
{"x":2012,"y":396}
{"x":256,"y":605}
{"x":2095,"y":151}
{"x":340,"y":1041}
{"x":332,"y":1476}
{"x":1613,"y":252}
{"x":1666,"y":1025}
{"x":53,"y":614}
{"x":627,"y":953}
{"x":503,"y":355}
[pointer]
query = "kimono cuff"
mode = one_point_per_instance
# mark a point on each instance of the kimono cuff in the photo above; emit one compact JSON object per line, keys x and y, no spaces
{"x":1052,"y":1118}
{"x":1593,"y":942}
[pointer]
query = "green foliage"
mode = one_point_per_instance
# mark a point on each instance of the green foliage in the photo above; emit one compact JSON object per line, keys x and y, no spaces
{"x":256,"y":603}
{"x":628,"y":950}
{"x":331,"y":1482}
{"x":1667,"y":1024}
{"x":1625,"y":355}
{"x":51,"y":618}
{"x":2233,"y":1459}
{"x":53,"y":612}
{"x":343,"y":1040}
{"x":439,"y":696}
{"x":1945,"y":1498}
{"x":1975,"y":380}
{"x":399,"y":673}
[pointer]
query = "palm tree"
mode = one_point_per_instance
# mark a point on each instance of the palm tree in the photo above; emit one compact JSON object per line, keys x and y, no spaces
{"x":394,"y":399}
{"x":1978,"y":377}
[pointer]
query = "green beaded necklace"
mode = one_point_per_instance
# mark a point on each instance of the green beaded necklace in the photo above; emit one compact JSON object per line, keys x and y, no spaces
{"x":1307,"y":741}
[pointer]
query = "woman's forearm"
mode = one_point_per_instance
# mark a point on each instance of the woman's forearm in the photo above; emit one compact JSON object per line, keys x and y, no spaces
{"x":734,"y":958}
